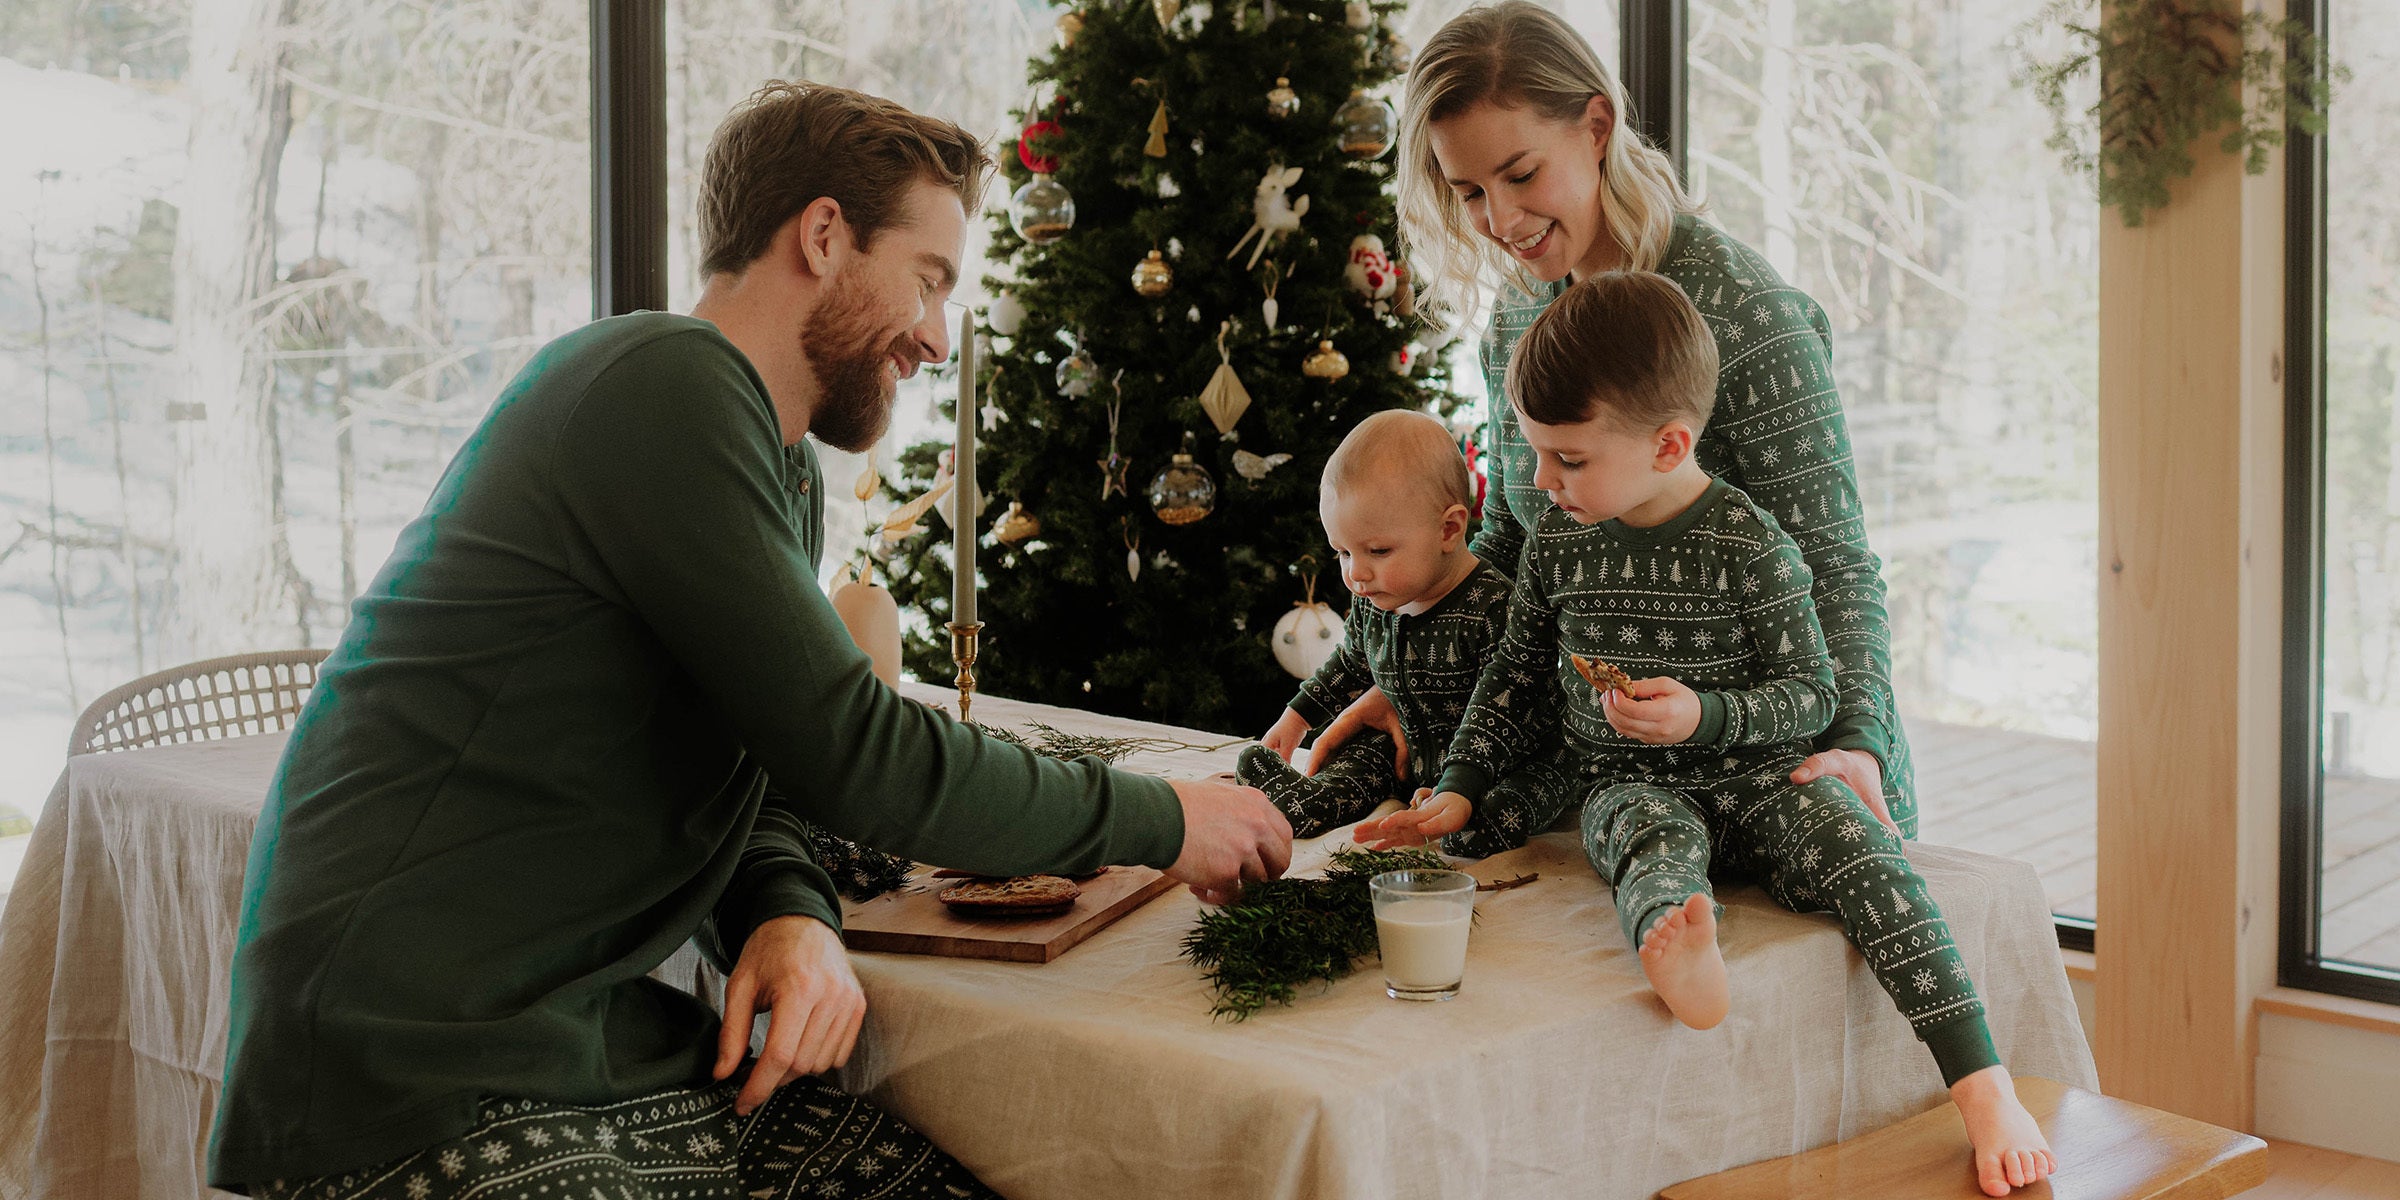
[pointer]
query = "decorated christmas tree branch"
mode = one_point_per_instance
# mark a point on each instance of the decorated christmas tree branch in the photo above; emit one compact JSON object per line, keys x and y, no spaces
{"x":2169,"y":71}
{"x":1287,"y":932}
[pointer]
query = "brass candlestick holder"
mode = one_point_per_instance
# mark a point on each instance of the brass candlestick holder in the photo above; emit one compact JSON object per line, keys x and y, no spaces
{"x":965,"y":640}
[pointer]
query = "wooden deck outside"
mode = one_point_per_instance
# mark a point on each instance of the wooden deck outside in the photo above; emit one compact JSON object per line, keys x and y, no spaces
{"x":2029,"y":796}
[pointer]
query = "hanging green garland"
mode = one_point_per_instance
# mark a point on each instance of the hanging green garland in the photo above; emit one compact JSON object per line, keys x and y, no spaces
{"x":2170,"y":71}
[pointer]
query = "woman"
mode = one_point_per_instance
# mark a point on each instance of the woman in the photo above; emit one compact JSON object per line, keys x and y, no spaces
{"x":1517,"y":167}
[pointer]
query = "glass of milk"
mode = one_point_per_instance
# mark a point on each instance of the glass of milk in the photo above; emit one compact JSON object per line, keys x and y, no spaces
{"x":1421,"y":919}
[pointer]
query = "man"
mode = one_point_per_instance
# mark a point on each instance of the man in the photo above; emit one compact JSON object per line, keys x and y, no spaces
{"x":536,"y":762}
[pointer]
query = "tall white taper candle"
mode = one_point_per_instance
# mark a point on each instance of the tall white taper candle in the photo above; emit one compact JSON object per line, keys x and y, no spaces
{"x":965,"y":504}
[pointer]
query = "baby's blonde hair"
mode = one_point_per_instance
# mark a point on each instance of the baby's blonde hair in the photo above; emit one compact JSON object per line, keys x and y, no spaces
{"x":1517,"y":54}
{"x":1399,"y":452}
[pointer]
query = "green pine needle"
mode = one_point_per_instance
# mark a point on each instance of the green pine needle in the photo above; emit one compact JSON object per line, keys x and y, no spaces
{"x":1287,"y":932}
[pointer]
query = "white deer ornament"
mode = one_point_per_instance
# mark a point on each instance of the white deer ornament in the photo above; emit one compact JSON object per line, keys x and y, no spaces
{"x":1272,"y":213}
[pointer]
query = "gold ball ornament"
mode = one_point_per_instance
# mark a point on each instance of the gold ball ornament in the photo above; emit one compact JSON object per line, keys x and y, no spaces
{"x":1152,"y":277}
{"x":1070,"y":23}
{"x":1282,"y":101}
{"x":1327,"y":363}
{"x":1367,"y":126}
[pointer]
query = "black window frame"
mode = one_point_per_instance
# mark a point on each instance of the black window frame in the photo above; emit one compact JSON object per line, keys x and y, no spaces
{"x":2299,"y":958}
{"x":629,"y":179}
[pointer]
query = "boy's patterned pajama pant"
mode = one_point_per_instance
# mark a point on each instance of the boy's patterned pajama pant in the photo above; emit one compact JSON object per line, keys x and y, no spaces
{"x":1816,"y":848}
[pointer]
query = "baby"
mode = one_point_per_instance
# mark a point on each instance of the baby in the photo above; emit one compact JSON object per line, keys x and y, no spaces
{"x":1424,"y":620}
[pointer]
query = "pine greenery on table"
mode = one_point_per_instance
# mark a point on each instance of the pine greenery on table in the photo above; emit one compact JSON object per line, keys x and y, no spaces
{"x":1284,"y":933}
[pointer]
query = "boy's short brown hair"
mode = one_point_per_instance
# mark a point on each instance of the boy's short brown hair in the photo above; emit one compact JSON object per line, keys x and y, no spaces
{"x":793,"y":142}
{"x":1406,"y":451}
{"x":1625,"y":343}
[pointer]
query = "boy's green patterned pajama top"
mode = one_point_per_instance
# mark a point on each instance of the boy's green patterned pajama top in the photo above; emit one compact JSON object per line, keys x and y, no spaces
{"x":1777,"y":433}
{"x":1720,"y":600}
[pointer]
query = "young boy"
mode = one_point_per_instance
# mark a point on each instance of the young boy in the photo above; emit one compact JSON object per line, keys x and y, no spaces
{"x":1649,"y":564}
{"x":1425,"y":616}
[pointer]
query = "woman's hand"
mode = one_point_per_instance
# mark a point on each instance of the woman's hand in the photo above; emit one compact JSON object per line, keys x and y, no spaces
{"x":1655,"y":712}
{"x":1372,"y":710}
{"x":1856,"y":768}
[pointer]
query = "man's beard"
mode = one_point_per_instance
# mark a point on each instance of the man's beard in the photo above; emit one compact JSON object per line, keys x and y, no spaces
{"x":841,"y":346}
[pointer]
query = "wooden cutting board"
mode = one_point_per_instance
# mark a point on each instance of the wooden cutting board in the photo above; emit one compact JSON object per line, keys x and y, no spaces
{"x":914,"y":921}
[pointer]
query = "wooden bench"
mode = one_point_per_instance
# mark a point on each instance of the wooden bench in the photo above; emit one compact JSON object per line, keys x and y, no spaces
{"x":2106,"y":1149}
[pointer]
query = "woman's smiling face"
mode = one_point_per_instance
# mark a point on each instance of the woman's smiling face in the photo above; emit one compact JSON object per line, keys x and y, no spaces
{"x":1530,"y":183}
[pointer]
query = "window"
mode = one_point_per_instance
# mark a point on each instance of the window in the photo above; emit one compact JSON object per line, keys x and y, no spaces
{"x":251,"y":307}
{"x":718,"y":51}
{"x":2342,"y":747}
{"x":1880,"y":157}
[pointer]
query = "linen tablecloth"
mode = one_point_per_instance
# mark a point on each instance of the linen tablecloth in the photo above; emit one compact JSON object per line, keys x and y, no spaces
{"x":1554,"y":1073}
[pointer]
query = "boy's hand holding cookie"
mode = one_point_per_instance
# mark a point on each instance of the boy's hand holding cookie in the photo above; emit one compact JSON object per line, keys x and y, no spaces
{"x":1657,"y":712}
{"x":1284,"y":737}
{"x":1427,"y":818}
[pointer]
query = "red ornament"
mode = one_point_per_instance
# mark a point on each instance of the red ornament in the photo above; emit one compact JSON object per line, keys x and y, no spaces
{"x":1039,"y":164}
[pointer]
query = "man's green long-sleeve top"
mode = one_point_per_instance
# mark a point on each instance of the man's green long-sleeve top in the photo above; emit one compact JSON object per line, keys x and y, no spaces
{"x":534,"y":766}
{"x":1426,"y":664}
{"x":1717,"y":599}
{"x":1778,"y":434}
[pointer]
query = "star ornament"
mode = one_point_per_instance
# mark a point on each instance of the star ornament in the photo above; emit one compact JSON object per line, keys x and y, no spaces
{"x":1112,"y":475}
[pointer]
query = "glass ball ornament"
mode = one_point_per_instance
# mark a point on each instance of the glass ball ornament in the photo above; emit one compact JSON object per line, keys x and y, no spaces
{"x":1042,"y":211}
{"x":1152,"y":277}
{"x":1398,"y":55}
{"x":1078,"y":374}
{"x":1367,"y":126}
{"x":1327,"y":363}
{"x":1282,"y":101}
{"x":1183,"y":492}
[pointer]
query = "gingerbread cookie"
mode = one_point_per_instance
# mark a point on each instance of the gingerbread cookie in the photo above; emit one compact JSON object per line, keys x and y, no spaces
{"x":1601,"y":675}
{"x":1022,"y":896}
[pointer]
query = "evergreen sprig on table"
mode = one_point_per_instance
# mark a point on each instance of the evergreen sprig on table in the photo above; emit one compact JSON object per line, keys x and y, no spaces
{"x":1287,"y":932}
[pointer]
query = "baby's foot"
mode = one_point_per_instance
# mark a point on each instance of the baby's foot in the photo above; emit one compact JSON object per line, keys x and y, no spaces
{"x":1263,"y":769}
{"x":2010,"y":1150}
{"x":1680,"y":956}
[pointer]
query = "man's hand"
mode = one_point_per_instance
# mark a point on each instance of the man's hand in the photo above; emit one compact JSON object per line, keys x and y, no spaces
{"x":1372,"y":710}
{"x":796,"y":968}
{"x":1230,"y":833}
{"x":1859,"y":770}
{"x":1428,"y":818}
{"x":1285,"y":736}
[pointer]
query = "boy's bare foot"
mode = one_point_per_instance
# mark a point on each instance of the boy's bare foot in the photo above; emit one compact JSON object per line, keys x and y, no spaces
{"x":1680,"y":956}
{"x":2010,"y":1150}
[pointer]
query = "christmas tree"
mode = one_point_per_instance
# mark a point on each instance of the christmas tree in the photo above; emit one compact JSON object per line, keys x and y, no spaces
{"x":1179,"y":129}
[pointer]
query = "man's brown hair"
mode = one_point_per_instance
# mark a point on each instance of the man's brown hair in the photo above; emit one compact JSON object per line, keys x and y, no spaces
{"x":793,"y":142}
{"x":1625,"y":343}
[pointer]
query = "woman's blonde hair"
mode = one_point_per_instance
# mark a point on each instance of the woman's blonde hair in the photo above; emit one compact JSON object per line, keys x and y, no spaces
{"x":1517,"y":54}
